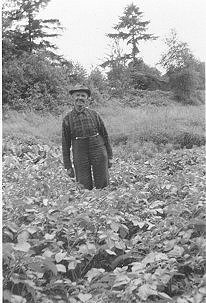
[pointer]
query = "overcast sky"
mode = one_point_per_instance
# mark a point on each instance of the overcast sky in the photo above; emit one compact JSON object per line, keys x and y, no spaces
{"x":87,"y":21}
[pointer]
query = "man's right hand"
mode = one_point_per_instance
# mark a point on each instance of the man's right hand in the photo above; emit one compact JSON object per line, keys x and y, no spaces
{"x":70,"y":172}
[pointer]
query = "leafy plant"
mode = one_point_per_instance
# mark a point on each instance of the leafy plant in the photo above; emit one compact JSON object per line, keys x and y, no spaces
{"x":142,"y":238}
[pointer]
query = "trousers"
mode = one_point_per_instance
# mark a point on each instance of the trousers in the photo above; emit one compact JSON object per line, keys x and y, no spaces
{"x":90,"y":161}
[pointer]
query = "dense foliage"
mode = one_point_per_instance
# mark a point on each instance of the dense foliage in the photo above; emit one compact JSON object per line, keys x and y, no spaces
{"x":186,"y":74}
{"x":124,"y":68}
{"x":23,"y":30}
{"x":33,"y":82}
{"x":142,"y":239}
{"x":36,"y":76}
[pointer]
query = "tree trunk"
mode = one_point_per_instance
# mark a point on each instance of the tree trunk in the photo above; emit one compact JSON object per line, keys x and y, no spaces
{"x":30,"y":32}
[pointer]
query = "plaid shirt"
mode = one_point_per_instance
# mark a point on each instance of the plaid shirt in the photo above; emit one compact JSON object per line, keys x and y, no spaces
{"x":82,"y":124}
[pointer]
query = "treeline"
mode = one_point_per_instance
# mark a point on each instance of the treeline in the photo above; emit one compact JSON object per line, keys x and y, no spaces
{"x":35,"y":76}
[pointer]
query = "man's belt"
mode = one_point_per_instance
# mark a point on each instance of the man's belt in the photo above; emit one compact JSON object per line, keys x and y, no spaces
{"x":77,"y":138}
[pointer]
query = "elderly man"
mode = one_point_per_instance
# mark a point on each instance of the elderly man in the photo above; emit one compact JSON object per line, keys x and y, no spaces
{"x":84,"y":130}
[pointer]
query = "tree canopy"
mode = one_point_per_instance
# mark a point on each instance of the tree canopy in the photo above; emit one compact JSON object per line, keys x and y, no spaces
{"x":178,"y":55}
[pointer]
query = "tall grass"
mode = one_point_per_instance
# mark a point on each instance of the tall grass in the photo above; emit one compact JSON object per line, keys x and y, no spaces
{"x":30,"y":124}
{"x":159,"y":125}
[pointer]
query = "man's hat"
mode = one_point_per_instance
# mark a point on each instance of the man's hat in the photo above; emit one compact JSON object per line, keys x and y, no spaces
{"x":80,"y":88}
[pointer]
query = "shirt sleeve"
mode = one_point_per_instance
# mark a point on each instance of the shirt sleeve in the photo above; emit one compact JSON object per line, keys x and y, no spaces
{"x":104,"y":134}
{"x":66,"y":143}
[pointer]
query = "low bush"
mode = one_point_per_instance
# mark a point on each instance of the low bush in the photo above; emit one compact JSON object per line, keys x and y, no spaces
{"x":188,"y":140}
{"x":136,"y":98}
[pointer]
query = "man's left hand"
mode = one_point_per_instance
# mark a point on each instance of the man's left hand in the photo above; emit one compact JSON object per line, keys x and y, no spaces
{"x":110,"y":162}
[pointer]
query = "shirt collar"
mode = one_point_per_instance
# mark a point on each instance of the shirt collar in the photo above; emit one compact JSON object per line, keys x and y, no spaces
{"x":77,"y":112}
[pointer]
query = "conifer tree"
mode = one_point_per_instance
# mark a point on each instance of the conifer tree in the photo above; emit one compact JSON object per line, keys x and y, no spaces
{"x":24,"y":30}
{"x":132,"y":29}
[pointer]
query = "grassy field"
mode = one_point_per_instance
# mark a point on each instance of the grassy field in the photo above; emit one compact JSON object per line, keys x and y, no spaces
{"x":180,"y":126}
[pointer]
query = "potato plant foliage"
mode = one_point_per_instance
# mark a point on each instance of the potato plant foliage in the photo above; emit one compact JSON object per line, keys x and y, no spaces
{"x":142,"y":239}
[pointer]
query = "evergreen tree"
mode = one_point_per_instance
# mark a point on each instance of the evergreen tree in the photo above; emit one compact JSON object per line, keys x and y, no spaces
{"x":132,"y":29}
{"x":23,"y":30}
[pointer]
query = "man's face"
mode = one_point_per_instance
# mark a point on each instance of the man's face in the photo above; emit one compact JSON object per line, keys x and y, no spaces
{"x":80,"y":100}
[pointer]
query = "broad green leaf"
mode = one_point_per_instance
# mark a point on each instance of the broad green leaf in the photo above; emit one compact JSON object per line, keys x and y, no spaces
{"x":164,"y":275}
{"x":83,"y":249}
{"x":157,"y":204}
{"x":72,"y":264}
{"x":17,"y":299}
{"x":49,"y":237}
{"x":110,"y":252}
{"x":138,"y":223}
{"x":120,"y":245}
{"x":147,"y":290}
{"x":165,"y":296}
{"x":119,"y":271}
{"x":154,"y":257}
{"x":47,"y":253}
{"x":176,"y":252}
{"x":22,"y":246}
{"x":121,"y":281}
{"x":29,"y":201}
{"x":35,"y":266}
{"x":45,"y":202}
{"x":84,"y":297}
{"x":49,"y":265}
{"x":150,"y":226}
{"x":9,"y":234}
{"x":91,"y":247}
{"x":61,"y":268}
{"x":7,"y":295}
{"x":7,"y":249}
{"x":32,"y":230}
{"x":136,"y":239}
{"x":123,"y":230}
{"x":202,"y":290}
{"x":23,"y":236}
{"x":170,"y":244}
{"x":182,"y":300}
{"x":114,"y":226}
{"x":60,"y":256}
{"x":94,"y":272}
{"x":13,"y":227}
{"x":31,"y":210}
{"x":114,"y":236}
{"x":138,"y":266}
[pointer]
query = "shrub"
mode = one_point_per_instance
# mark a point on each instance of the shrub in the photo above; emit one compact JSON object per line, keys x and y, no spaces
{"x":119,"y":138}
{"x":184,"y":83}
{"x":188,"y":140}
{"x":33,"y":82}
